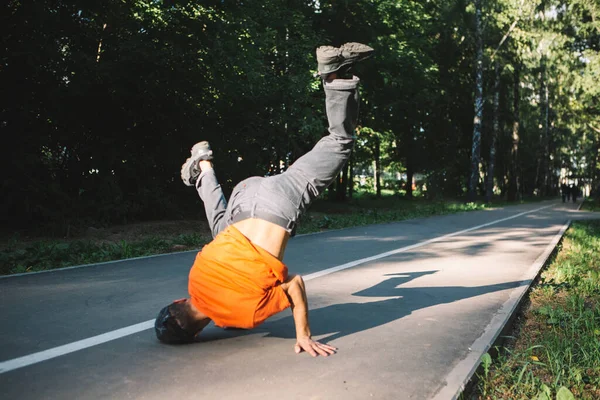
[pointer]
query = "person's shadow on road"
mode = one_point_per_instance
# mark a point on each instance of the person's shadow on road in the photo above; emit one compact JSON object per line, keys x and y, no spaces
{"x":339,"y":320}
{"x":348,"y":318}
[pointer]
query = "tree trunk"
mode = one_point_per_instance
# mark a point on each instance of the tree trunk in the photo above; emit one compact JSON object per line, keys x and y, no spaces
{"x":495,"y":133}
{"x":513,"y":183}
{"x":342,"y":187}
{"x":409,"y":179}
{"x":594,"y":170}
{"x":377,"y":153}
{"x":548,"y":166}
{"x":476,"y":148}
{"x":410,"y":170}
{"x":542,"y":176}
{"x":351,"y":177}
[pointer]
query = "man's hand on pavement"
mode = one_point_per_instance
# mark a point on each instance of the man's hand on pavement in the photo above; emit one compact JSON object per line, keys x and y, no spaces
{"x":296,"y":292}
{"x":313,"y":348}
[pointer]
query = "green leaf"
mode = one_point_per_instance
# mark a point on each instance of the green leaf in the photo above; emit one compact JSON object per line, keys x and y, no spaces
{"x":486,"y":360}
{"x":542,"y":396}
{"x":545,"y":392}
{"x":564,"y":394}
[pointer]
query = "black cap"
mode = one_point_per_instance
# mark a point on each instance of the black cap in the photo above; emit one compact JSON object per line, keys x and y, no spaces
{"x":168,"y":330}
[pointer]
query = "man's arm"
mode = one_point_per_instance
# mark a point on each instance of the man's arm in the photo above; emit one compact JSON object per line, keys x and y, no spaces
{"x":295,"y":291}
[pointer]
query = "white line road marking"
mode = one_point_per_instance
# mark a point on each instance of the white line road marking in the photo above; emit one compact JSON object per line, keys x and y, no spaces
{"x":38,"y":357}
{"x":35,"y":358}
{"x":414,"y":246}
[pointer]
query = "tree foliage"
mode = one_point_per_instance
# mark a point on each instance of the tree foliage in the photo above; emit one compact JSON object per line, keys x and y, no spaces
{"x":101,"y":101}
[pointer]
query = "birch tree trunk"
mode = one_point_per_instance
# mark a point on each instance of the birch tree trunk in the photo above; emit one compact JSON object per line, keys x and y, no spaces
{"x":542,"y":175}
{"x":476,"y":148}
{"x":513,"y":183}
{"x":495,"y":134}
{"x":595,"y":171}
{"x":377,"y":166}
{"x":548,"y":165}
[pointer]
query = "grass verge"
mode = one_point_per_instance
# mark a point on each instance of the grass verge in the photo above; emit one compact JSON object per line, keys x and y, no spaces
{"x":368,"y":210}
{"x":591,"y":204}
{"x":18,"y":256}
{"x":556,"y":351}
{"x":52,"y":254}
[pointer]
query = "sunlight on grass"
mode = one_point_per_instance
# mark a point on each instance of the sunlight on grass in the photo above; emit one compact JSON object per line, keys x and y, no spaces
{"x":368,"y":211}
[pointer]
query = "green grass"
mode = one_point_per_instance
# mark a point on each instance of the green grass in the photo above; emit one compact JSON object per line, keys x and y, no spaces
{"x":556,"y":353}
{"x":591,"y":204}
{"x":44,"y":255}
{"x":368,"y":210}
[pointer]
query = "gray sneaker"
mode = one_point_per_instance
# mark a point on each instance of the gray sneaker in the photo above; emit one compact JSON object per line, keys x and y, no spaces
{"x":190,"y":171}
{"x":332,"y":59}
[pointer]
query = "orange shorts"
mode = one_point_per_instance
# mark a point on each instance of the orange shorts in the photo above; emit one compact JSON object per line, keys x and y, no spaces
{"x":235,"y":283}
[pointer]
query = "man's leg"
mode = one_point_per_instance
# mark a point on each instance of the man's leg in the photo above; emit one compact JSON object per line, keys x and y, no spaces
{"x":290,"y":193}
{"x":323,"y":163}
{"x":213,"y":198}
{"x":320,"y":166}
{"x":286,"y":196}
{"x":198,"y":171}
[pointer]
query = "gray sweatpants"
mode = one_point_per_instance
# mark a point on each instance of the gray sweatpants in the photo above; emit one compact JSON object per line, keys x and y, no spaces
{"x":286,"y":196}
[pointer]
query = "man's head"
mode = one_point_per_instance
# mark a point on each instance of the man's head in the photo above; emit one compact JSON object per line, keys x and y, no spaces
{"x":179,"y":322}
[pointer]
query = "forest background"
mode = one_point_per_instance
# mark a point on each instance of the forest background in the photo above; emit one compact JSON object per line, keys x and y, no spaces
{"x":100,"y":101}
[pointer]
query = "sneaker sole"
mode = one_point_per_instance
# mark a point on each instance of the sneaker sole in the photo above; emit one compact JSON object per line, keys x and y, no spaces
{"x":350,"y":48}
{"x":185,"y":168}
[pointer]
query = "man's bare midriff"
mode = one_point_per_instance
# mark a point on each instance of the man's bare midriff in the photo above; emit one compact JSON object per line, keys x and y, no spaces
{"x":267,"y":235}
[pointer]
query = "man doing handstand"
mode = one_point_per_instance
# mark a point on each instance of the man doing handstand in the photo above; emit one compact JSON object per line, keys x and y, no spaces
{"x":239,"y":280}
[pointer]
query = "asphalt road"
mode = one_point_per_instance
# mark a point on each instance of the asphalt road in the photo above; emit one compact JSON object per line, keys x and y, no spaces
{"x":410,"y":305}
